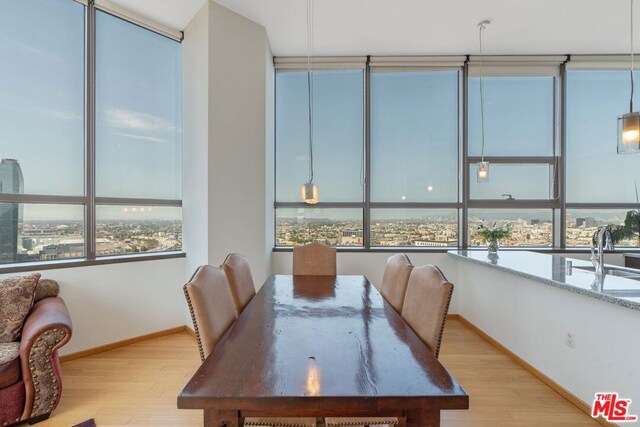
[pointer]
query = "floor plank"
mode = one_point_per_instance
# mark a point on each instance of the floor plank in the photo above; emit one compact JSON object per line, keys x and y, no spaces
{"x":137,"y":385}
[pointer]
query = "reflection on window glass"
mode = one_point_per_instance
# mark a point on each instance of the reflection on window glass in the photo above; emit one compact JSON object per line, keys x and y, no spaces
{"x":595,"y":172}
{"x":34,"y":232}
{"x":133,"y":229}
{"x":583,"y":223}
{"x":519,"y":181}
{"x":414,"y":136}
{"x":42,"y":95}
{"x":138,"y":112}
{"x":529,"y":227}
{"x":337,"y":129}
{"x":518,"y":116}
{"x":334,"y":227}
{"x":414,"y":227}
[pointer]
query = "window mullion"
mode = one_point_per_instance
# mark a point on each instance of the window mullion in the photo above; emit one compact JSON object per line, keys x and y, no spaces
{"x":562,"y":152}
{"x":366,"y":226}
{"x":90,"y":161}
{"x":464,"y":216}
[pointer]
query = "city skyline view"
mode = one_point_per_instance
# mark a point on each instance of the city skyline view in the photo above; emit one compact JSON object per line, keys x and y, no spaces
{"x":344,"y":227}
{"x":119,"y":229}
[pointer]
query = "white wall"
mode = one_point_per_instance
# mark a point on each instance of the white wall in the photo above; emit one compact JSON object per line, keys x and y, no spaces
{"x":531,"y":319}
{"x":195,"y":142}
{"x":238,"y":51}
{"x":270,"y":158}
{"x":109,"y":303}
{"x":228,"y":141}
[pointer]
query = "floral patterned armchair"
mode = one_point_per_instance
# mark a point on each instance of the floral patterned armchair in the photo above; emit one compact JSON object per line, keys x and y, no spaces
{"x":30,"y":375}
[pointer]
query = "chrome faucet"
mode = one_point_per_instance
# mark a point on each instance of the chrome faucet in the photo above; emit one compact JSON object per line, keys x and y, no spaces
{"x":603,"y":242}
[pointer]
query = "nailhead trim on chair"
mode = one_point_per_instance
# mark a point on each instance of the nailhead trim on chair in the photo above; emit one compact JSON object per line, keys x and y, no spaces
{"x":45,"y":382}
{"x":248,"y":422}
{"x":389,"y":421}
{"x":444,"y":318}
{"x":195,"y":324}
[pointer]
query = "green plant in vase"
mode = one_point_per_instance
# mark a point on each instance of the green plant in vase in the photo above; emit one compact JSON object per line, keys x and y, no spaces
{"x":493,"y":235}
{"x":632,"y":225}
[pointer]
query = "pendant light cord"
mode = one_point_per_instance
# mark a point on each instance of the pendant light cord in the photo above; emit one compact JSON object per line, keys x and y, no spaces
{"x":631,"y":72}
{"x":481,"y":28}
{"x":310,"y":82}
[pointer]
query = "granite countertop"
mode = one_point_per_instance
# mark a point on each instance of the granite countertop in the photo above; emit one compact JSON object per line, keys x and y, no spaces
{"x":562,"y":272}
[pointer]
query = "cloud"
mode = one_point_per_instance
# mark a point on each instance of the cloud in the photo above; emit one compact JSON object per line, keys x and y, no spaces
{"x":142,"y":137}
{"x":66,"y":115}
{"x":24,"y":47}
{"x":133,"y":120}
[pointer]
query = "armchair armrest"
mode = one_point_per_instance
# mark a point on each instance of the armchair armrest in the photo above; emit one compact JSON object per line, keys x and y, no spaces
{"x":47,"y":328}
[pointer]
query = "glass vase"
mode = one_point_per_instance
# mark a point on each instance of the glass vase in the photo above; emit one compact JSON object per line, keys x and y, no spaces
{"x":493,"y":245}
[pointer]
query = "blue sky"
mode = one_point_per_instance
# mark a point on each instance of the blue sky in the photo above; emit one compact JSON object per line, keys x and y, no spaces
{"x":414,"y":123}
{"x":138,"y":104}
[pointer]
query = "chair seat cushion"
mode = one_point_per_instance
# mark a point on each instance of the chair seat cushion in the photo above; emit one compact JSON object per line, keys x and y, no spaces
{"x":10,"y":372}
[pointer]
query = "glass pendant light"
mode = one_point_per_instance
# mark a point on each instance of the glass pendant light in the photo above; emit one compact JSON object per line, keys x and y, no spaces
{"x":309,"y":190}
{"x":483,"y":167}
{"x":629,"y":124}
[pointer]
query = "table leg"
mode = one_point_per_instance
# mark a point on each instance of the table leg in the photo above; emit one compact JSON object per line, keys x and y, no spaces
{"x":213,"y":418}
{"x":423,"y":418}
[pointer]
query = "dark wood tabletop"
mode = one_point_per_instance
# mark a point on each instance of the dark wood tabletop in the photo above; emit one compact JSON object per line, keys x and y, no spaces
{"x":321,"y":346}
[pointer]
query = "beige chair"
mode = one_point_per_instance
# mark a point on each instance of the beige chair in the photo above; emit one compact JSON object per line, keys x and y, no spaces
{"x":395,"y":280}
{"x":314,"y":260}
{"x":425,"y":310}
{"x":213,"y":312}
{"x":238,"y":273}
{"x":426,"y":305}
{"x":211,"y":306}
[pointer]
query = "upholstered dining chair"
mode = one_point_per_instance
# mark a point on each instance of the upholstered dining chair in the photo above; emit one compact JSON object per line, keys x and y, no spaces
{"x":425,"y":307}
{"x":211,"y":307}
{"x":395,"y":280}
{"x":238,"y":273}
{"x":213,"y":312}
{"x":314,"y":259}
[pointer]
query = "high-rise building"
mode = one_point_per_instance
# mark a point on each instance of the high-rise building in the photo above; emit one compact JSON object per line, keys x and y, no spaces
{"x":11,"y":182}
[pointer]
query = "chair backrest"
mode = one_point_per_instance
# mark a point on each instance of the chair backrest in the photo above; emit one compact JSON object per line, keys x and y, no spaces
{"x":426,"y":305}
{"x":314,"y":259}
{"x":211,"y":306}
{"x":395,"y":280}
{"x":238,"y":273}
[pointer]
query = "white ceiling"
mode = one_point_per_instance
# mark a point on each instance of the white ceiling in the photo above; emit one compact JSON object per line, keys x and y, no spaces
{"x":397,"y":27}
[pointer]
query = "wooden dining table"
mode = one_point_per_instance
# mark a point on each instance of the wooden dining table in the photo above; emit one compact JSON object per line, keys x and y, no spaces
{"x":321,"y":346}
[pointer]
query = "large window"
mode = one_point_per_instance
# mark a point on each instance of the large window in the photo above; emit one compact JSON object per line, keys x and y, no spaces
{"x":338,"y":150}
{"x":49,"y":199}
{"x":138,"y":139}
{"x":549,"y":137}
{"x":421,"y":153}
{"x":602,"y":186}
{"x":414,"y":156}
{"x":519,"y":144}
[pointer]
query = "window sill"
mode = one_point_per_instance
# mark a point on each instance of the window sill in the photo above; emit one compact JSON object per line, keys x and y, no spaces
{"x":80,"y":262}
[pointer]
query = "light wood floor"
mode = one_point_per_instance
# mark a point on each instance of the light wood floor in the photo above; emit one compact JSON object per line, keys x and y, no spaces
{"x":137,"y":385}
